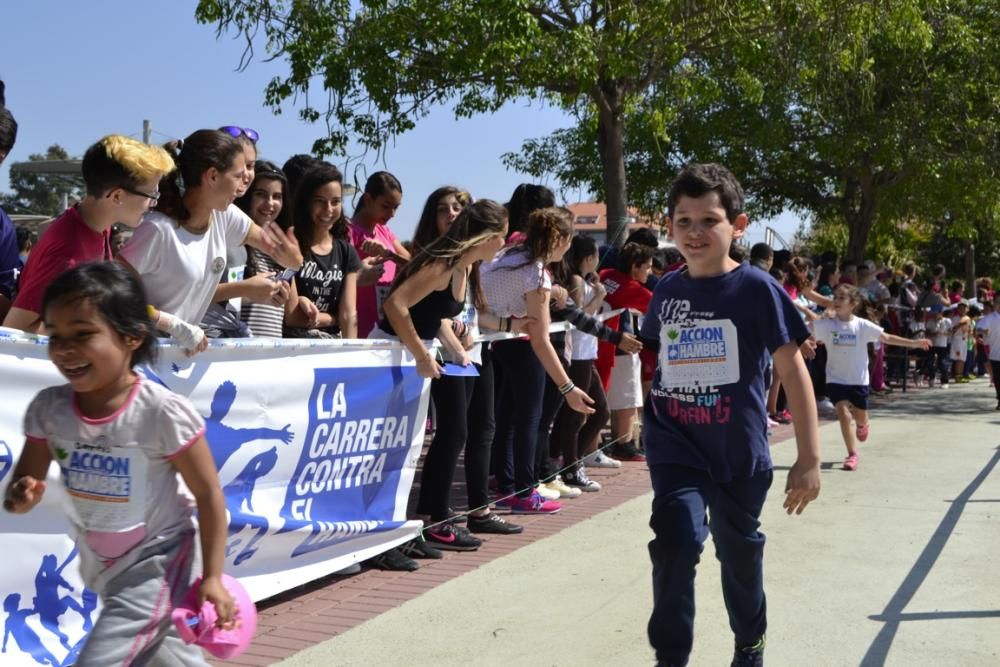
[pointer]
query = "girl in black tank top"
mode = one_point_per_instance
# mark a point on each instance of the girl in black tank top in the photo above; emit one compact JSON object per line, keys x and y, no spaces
{"x":432,"y":285}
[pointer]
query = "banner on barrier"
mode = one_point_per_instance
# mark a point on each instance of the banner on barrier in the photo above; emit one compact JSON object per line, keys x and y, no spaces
{"x":316,"y":446}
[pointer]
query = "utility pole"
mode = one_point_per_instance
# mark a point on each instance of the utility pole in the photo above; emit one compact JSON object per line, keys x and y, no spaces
{"x":147,"y":131}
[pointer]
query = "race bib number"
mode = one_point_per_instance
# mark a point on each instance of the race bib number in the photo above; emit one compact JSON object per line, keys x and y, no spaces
{"x":844,"y":339}
{"x":106,"y":485}
{"x":703,"y":353}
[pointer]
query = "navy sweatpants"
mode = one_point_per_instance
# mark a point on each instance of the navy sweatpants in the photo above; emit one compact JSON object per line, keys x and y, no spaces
{"x":687,"y":505}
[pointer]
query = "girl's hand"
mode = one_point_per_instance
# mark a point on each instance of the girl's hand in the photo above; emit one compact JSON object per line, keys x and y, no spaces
{"x":579,"y":401}
{"x":284,"y":247}
{"x":468,"y":342}
{"x":374,"y":248}
{"x":808,"y":349}
{"x":261,"y":288}
{"x":519,"y":325}
{"x":23,"y":494}
{"x":559,"y":296}
{"x":427,"y":367}
{"x":923,"y":344}
{"x":463,"y":359}
{"x":213,"y":591}
{"x":281,"y":294}
{"x":599,"y":289}
{"x":630,"y":344}
{"x":188,"y":336}
{"x":310,"y":311}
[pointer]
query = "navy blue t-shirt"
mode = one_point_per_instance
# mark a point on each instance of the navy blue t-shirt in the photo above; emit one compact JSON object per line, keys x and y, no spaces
{"x":707,"y":406}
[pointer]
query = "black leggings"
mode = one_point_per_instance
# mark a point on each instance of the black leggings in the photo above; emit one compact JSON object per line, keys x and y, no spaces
{"x":464,"y":408}
{"x":575,"y":430}
{"x":452,"y":396}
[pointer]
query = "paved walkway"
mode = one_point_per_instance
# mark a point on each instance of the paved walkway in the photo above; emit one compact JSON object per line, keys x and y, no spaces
{"x":894,"y":565}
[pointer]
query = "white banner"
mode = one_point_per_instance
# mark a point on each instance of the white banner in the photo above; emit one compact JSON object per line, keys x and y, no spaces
{"x":316,"y":443}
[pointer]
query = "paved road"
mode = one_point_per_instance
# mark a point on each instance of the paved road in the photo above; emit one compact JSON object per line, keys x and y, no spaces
{"x":895,"y":565}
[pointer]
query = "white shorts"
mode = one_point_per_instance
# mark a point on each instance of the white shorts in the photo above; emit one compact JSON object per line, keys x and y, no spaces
{"x":625,"y":389}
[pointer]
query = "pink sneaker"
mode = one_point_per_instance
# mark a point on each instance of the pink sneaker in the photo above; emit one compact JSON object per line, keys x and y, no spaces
{"x":196,"y":623}
{"x":861,"y":432}
{"x":851,"y":462}
{"x":534,"y":504}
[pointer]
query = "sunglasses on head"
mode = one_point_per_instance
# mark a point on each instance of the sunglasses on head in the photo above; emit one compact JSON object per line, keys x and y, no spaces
{"x":236,"y":131}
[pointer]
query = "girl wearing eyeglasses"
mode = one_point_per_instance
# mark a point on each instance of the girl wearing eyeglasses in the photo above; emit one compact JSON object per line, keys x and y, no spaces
{"x":180,"y":249}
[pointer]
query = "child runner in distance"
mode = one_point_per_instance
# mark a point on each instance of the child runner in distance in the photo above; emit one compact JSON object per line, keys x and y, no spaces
{"x":846,"y":338}
{"x":714,"y":325}
{"x":122,"y":177}
{"x":120,"y":441}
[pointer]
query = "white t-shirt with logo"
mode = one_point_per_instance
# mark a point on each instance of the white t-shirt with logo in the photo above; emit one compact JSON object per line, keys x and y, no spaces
{"x":847,"y":348}
{"x":181,"y":270}
{"x":121,"y":488}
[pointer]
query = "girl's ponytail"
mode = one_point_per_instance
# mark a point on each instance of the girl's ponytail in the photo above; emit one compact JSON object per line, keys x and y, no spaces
{"x":171,"y":200}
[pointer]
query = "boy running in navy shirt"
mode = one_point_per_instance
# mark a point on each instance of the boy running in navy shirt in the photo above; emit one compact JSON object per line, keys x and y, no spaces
{"x":714,"y":326}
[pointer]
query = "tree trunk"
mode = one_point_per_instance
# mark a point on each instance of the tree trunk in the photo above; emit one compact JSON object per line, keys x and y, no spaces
{"x":970,"y":271}
{"x":611,"y":147}
{"x":859,"y":215}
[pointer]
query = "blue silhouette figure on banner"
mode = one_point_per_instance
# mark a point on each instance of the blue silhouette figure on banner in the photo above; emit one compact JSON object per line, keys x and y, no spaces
{"x":48,"y":606}
{"x":26,"y":639}
{"x":6,"y":459}
{"x":226,"y":440}
{"x":239,"y":498}
{"x":47,"y":602}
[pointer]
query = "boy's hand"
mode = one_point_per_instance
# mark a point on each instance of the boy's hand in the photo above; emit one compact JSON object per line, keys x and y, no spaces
{"x":211,"y":589}
{"x":802,"y":486}
{"x":22,"y":495}
{"x":923,"y":344}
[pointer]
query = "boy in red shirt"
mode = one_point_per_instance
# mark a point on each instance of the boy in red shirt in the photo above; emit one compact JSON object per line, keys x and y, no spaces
{"x":620,"y":371}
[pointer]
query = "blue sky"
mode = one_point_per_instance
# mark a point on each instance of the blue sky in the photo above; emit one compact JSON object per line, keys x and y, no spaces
{"x":76,"y":71}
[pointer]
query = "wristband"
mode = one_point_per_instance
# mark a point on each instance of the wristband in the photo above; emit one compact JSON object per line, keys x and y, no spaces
{"x":566,"y":388}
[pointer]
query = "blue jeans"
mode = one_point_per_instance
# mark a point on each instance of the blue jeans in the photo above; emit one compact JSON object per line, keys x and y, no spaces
{"x":519,"y":411}
{"x":687,"y":505}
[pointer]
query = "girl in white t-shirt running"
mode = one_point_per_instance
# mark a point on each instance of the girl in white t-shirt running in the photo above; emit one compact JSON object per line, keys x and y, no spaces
{"x":120,"y":441}
{"x":846,"y":338}
{"x":179,"y":250}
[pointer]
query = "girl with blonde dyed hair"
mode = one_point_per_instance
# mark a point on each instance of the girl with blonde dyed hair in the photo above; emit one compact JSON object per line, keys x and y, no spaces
{"x":122,"y":177}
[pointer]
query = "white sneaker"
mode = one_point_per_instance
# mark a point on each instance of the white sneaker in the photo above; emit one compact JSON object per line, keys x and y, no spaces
{"x":825,"y":405}
{"x":599,"y":459}
{"x":564,"y":491}
{"x":771,"y":424}
{"x":547,"y":493}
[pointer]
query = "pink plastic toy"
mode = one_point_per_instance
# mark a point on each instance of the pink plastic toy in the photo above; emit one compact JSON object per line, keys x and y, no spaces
{"x":196,"y":624}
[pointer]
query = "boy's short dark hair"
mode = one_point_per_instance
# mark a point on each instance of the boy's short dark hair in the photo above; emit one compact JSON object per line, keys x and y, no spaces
{"x":8,"y":126}
{"x":643,"y":236}
{"x":25,"y":237}
{"x":633,"y":254}
{"x":697,"y":180}
{"x":761,"y":252}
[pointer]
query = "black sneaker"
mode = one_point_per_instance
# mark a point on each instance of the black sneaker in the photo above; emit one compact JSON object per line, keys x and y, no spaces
{"x":492,"y":523}
{"x":749,"y":656}
{"x":395,"y":560}
{"x":451,"y":538}
{"x":455,"y":517}
{"x":418,"y":548}
{"x":626,"y":451}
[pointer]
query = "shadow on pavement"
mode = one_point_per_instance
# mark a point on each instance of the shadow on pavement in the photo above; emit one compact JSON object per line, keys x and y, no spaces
{"x":894,"y":614}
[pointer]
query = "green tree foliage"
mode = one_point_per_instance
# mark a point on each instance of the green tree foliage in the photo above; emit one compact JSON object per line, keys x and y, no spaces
{"x":42,"y":194}
{"x":379,"y":66}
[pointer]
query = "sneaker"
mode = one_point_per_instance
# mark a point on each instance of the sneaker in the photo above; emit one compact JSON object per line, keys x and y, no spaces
{"x":626,"y":451}
{"x":565,"y":491}
{"x":851,"y":462}
{"x":546,"y":492}
{"x":825,"y":405}
{"x":419,"y":548}
{"x":353,"y":568}
{"x":861,"y":432}
{"x":785,"y":417}
{"x":534,"y":504}
{"x":451,"y":538}
{"x":599,"y":459}
{"x":749,"y":656}
{"x":578,"y":479}
{"x":998,"y":406}
{"x":771,"y":423}
{"x":492,"y":523}
{"x":943,"y":385}
{"x":455,"y":517}
{"x":394,"y":560}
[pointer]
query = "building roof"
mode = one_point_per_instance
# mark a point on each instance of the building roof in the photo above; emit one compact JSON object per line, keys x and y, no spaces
{"x":593,"y":217}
